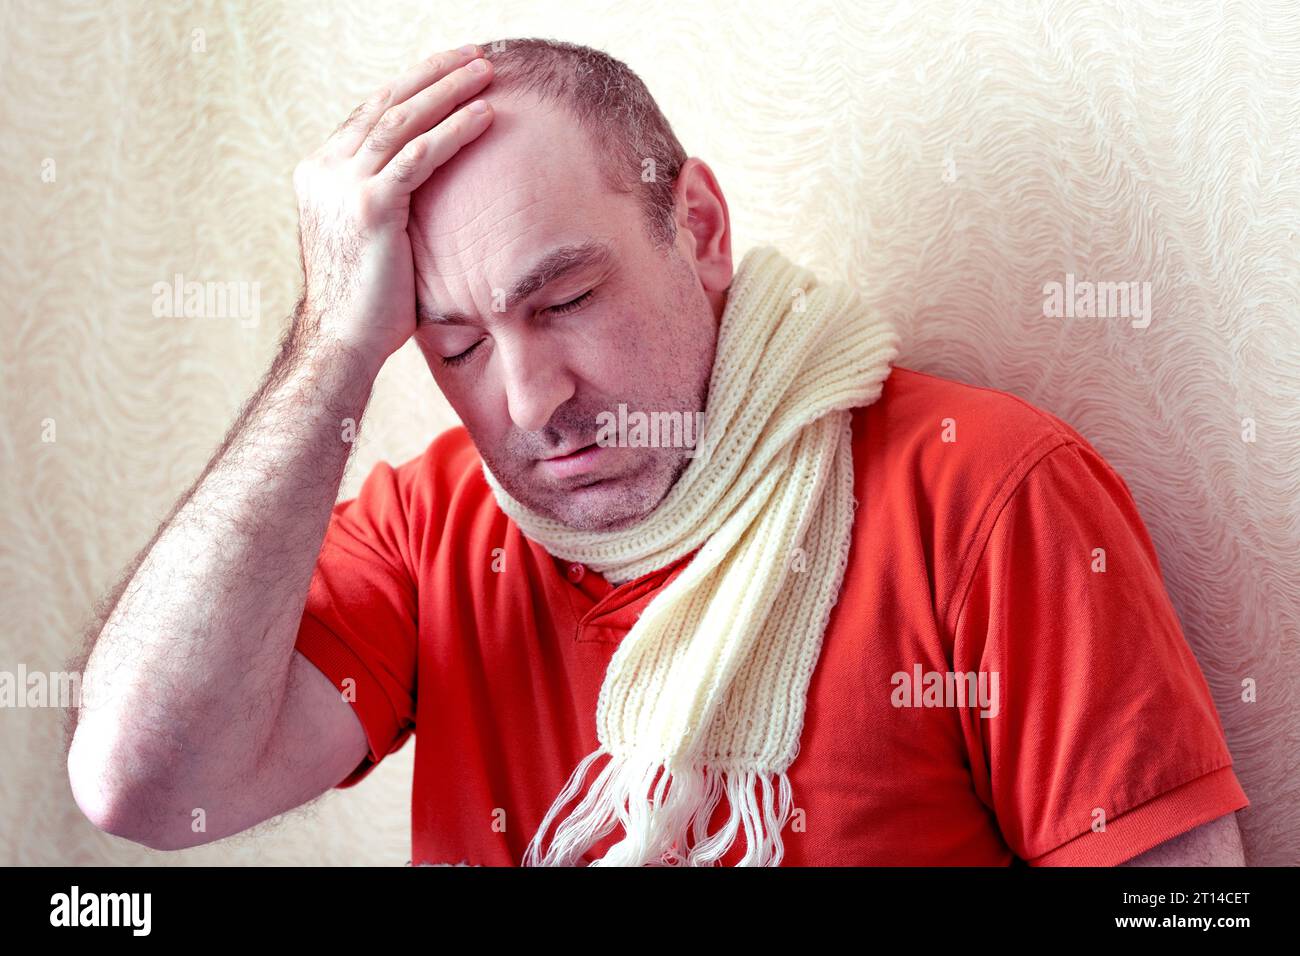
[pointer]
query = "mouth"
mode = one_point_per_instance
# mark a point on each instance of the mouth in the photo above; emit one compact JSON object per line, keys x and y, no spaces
{"x":579,"y":461}
{"x":568,"y":454}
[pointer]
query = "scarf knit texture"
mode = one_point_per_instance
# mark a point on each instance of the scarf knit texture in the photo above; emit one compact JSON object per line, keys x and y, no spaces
{"x":705,"y":695}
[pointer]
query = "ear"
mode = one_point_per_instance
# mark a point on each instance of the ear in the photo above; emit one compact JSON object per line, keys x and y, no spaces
{"x":703,"y":224}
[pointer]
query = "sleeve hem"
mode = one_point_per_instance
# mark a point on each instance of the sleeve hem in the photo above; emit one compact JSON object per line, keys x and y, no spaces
{"x":1169,"y":815}
{"x":333,"y":658}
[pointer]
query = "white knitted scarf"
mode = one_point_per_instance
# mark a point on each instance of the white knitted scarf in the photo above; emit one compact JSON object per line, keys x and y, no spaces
{"x":705,"y":695}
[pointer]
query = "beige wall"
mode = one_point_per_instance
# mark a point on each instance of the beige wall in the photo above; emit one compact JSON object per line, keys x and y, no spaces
{"x":950,"y":163}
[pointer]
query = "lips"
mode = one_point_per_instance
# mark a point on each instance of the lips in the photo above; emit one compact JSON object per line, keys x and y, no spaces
{"x":568,"y":454}
{"x":577,"y":463}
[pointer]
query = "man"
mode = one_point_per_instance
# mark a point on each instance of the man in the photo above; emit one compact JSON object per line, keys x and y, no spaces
{"x":868,"y":617}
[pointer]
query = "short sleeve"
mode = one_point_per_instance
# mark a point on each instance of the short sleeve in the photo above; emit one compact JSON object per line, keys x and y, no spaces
{"x":359,"y":625}
{"x":1104,"y":741}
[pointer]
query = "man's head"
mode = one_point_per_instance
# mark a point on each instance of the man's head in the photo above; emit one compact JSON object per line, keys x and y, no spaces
{"x":580,"y":170}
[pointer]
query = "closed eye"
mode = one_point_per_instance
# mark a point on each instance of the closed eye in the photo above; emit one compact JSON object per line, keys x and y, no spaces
{"x":571,"y":304}
{"x":451,"y":360}
{"x":561,"y":309}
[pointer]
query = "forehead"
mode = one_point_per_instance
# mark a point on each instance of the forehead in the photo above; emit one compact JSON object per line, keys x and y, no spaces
{"x":529,"y":181}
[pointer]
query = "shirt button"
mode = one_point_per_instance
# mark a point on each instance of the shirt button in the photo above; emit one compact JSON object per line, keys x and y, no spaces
{"x":576,"y":571}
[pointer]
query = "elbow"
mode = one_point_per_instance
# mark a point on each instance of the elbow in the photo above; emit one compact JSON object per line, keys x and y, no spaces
{"x":126,"y":813}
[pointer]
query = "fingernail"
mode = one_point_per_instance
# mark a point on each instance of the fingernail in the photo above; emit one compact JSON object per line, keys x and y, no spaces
{"x":468,"y":49}
{"x":478,"y":106}
{"x":479,"y":65}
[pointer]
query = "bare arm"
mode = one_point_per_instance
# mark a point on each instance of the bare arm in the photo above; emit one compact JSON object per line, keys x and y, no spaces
{"x":183,"y":685}
{"x":187,"y":698}
{"x":1217,"y":843}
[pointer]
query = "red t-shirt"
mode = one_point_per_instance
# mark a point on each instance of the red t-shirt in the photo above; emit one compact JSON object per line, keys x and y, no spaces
{"x":974,"y":552}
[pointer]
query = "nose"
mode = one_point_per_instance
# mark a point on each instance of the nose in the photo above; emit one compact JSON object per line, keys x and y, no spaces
{"x":537,"y":381}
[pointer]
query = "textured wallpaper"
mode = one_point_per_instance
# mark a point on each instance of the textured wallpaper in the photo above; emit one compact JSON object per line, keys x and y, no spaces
{"x":971,"y":166}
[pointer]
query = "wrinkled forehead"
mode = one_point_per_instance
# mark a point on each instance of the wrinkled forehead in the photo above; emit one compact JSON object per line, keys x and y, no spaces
{"x":532,"y":175}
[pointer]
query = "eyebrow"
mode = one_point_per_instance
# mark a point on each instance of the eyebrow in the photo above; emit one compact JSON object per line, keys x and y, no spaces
{"x":560,"y":262}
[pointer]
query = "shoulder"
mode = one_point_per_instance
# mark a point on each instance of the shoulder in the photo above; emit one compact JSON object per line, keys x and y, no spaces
{"x":938,"y":461}
{"x":447,"y":463}
{"x":423,"y":498}
{"x":940,"y":424}
{"x":952,"y":445}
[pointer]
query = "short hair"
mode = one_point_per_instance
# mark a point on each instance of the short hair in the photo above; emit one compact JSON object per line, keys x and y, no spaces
{"x":612,"y":105}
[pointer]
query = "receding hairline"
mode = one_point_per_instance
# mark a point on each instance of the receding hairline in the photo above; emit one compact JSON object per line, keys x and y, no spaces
{"x":613,"y":107}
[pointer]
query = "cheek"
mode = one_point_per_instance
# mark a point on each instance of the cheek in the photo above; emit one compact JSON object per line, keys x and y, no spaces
{"x":483,"y":412}
{"x":427,"y":350}
{"x":656,"y":351}
{"x":488,"y":430}
{"x":446,"y":381}
{"x":621,"y":354}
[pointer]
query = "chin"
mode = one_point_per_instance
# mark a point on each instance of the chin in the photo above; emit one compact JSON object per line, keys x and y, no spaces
{"x":612,"y":504}
{"x":602,"y":507}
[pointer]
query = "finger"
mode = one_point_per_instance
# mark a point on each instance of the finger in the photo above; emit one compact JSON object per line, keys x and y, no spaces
{"x":352,"y":131}
{"x":403,"y":122}
{"x":430,"y":70}
{"x":417,"y":160}
{"x":348,"y":135}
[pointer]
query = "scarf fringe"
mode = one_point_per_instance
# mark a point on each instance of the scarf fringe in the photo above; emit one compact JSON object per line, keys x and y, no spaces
{"x":657,"y":823}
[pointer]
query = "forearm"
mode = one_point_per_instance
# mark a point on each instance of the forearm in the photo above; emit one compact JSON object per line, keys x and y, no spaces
{"x":182,"y":686}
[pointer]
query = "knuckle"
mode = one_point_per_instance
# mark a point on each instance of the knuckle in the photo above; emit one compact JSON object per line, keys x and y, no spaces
{"x":416,"y":151}
{"x":379,"y":140}
{"x":408,"y":162}
{"x":353,"y":118}
{"x":395,"y":117}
